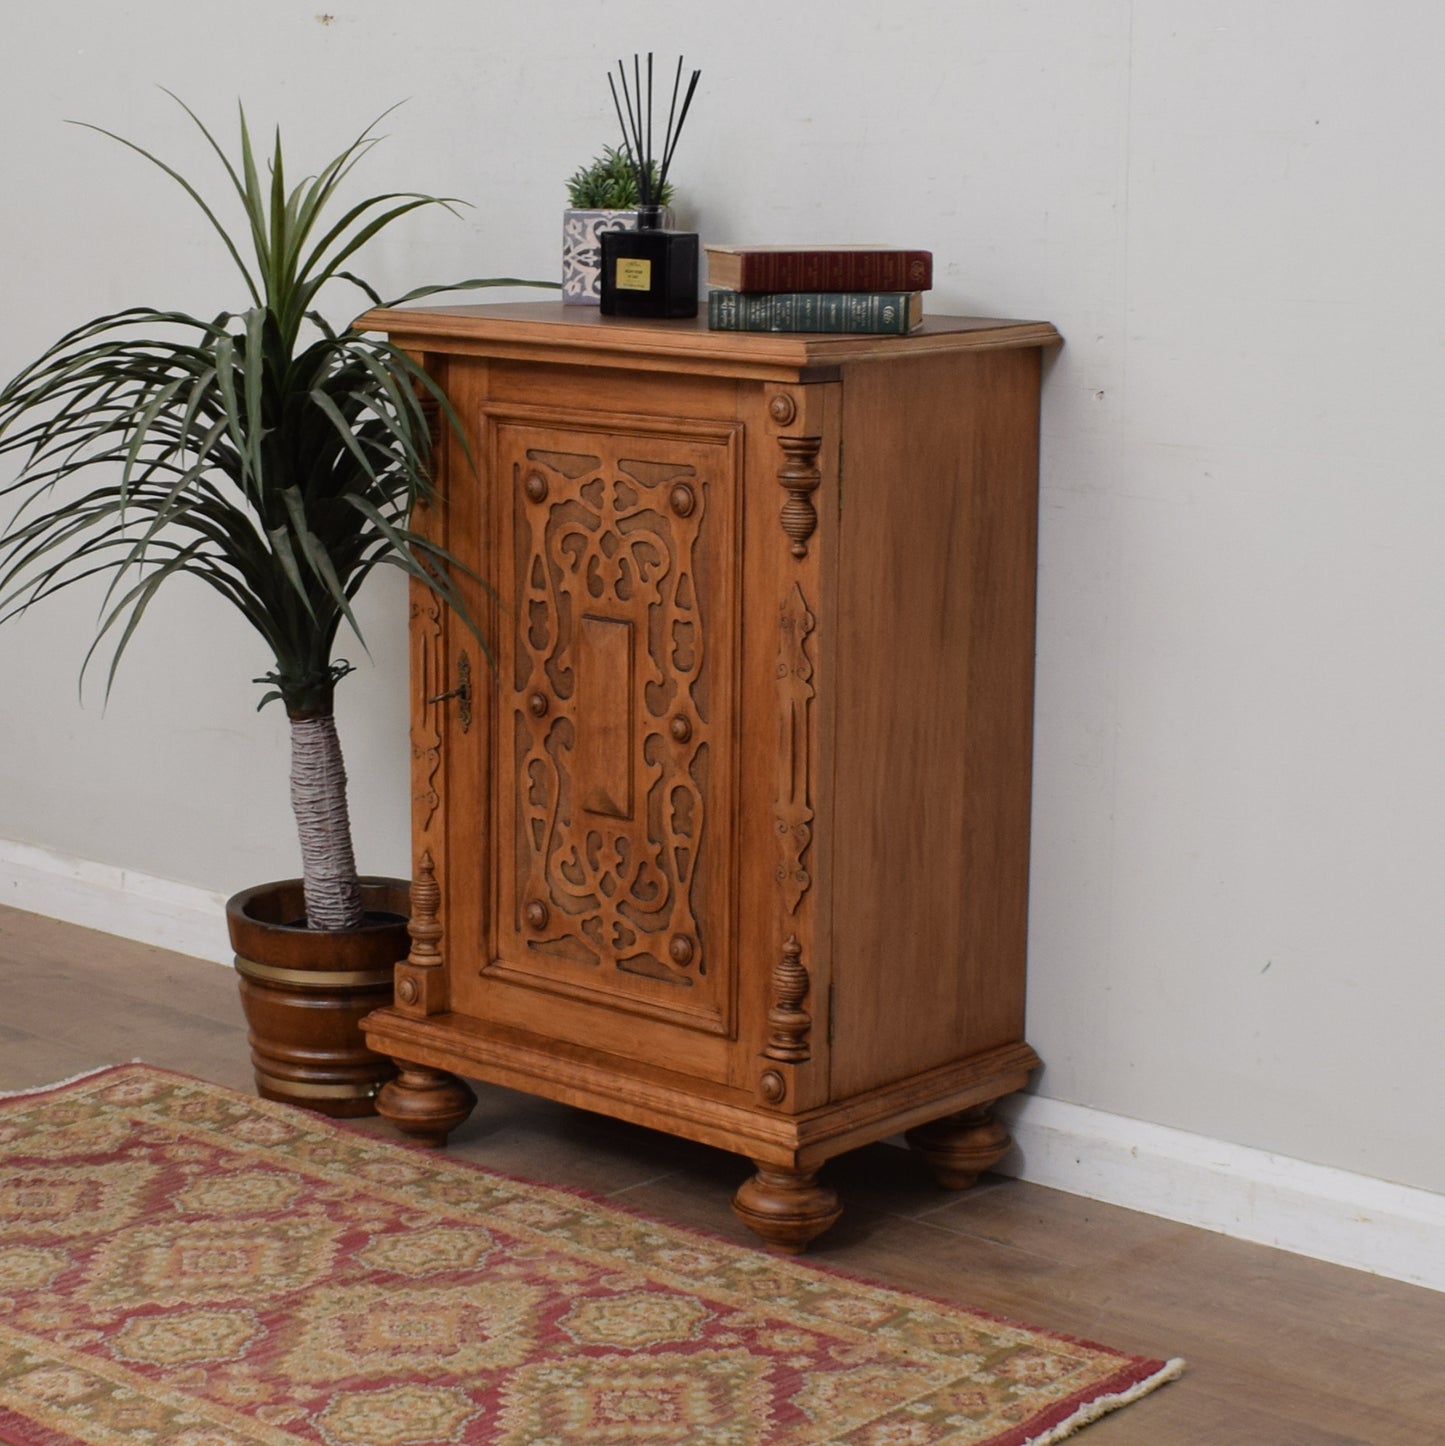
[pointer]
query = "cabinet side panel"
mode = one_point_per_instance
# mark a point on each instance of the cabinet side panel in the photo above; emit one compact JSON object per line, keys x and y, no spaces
{"x":936,"y":568}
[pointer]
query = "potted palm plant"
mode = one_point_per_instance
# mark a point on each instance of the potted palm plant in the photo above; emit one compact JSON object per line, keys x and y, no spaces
{"x":277,"y":459}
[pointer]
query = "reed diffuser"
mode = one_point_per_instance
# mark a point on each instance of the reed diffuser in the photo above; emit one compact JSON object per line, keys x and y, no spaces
{"x":650,"y":271}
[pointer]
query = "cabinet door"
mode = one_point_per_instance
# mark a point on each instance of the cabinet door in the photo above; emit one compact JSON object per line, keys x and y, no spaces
{"x":614,"y":771}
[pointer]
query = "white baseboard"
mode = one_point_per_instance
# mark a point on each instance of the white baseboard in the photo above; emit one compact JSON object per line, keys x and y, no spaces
{"x":1334,"y":1215}
{"x":118,"y":901}
{"x":1314,"y":1210}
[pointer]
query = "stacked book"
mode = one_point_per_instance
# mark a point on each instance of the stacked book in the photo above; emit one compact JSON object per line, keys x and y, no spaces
{"x":816,"y":288}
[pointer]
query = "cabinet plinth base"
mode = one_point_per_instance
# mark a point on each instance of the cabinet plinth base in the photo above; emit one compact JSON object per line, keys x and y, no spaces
{"x":425,"y":1104}
{"x":945,"y":1113}
{"x":787,"y":1208}
{"x":960,"y":1147}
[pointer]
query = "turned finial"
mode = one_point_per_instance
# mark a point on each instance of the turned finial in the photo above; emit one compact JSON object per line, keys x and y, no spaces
{"x":424,"y":926}
{"x":789,"y":1021}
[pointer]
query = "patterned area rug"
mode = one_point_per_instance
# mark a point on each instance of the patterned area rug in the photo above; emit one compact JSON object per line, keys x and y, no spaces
{"x":185,"y":1265}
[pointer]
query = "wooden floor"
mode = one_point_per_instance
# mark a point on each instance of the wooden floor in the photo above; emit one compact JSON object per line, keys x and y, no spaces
{"x":1282,"y":1351}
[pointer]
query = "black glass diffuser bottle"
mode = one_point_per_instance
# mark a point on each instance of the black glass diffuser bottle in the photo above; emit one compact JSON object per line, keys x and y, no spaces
{"x":650,"y":271}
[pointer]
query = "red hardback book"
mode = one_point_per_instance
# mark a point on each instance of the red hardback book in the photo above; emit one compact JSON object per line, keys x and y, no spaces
{"x":819,"y":268}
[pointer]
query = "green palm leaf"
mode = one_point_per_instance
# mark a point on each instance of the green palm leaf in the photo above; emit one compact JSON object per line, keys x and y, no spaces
{"x":278,"y":472}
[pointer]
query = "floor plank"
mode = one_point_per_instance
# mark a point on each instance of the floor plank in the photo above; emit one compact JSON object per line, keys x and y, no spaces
{"x":1282,"y":1350}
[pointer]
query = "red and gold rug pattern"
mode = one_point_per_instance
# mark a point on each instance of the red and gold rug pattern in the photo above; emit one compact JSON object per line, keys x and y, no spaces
{"x":182,"y":1265}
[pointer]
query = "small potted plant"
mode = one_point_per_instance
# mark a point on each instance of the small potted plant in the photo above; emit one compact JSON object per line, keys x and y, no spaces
{"x":602,"y":196}
{"x":277,"y":459}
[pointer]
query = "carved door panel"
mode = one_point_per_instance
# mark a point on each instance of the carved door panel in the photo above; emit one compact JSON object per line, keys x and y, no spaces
{"x":614,"y":750}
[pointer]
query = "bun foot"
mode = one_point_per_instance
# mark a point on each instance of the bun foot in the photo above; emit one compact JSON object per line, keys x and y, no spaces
{"x":959,"y":1148}
{"x":787,"y":1208}
{"x":425,"y":1104}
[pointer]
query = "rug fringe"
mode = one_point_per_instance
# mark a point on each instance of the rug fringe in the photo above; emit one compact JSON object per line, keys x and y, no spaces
{"x":1103,"y":1405}
{"x":61,"y":1083}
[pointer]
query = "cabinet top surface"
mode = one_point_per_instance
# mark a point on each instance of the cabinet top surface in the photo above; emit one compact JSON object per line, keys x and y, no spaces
{"x":502,"y":328}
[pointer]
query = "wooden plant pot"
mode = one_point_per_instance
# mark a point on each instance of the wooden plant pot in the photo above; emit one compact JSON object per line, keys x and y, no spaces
{"x":306,"y":991}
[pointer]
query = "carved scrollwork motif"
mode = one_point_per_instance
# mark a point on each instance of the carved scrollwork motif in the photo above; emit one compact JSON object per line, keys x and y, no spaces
{"x":426,"y":736}
{"x":610,"y":724}
{"x":795,"y":694}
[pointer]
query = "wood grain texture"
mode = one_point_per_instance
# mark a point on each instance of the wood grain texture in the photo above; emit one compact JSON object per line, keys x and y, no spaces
{"x":615,"y":770}
{"x":935,"y":561}
{"x":736,"y":845}
{"x":535,"y":331}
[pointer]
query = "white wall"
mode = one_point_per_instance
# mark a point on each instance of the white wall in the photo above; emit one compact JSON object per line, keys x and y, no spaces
{"x":1231,"y":211}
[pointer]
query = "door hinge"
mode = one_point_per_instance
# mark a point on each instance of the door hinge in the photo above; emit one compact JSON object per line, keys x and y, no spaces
{"x":831,"y":997}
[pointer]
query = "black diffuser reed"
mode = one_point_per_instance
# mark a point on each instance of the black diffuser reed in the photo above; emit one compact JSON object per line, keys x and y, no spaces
{"x":650,"y":271}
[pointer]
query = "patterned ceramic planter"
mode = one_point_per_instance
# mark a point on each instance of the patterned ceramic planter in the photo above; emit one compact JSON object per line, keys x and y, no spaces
{"x":582,"y":252}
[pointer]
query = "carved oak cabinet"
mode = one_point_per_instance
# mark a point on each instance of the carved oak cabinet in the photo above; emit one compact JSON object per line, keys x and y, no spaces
{"x":730,"y":835}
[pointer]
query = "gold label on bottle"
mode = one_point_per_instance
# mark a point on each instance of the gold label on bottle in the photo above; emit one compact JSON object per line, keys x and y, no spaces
{"x":634,"y":273}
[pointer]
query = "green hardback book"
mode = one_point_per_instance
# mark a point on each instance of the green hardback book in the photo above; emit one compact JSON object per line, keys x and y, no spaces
{"x":890,"y":312}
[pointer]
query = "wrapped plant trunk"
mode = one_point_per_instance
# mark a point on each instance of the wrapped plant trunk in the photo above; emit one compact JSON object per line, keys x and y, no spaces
{"x":318,"y":799}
